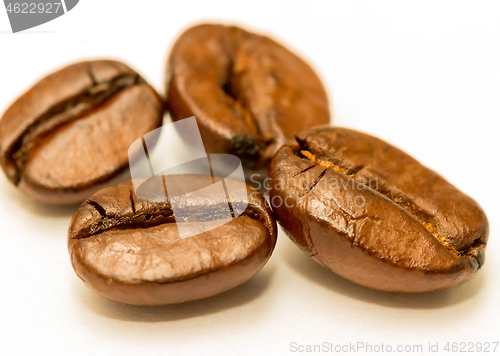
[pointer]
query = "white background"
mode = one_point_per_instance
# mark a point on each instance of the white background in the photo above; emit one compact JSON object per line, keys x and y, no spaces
{"x":423,"y":75}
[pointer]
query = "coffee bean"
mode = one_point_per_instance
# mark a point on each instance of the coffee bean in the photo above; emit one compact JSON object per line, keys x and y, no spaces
{"x":69,"y":134}
{"x":249,"y":94}
{"x":128,"y":249}
{"x":373,"y":214}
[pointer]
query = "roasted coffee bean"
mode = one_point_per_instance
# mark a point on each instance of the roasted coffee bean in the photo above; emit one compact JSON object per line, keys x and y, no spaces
{"x":373,"y":214}
{"x":129,"y":249}
{"x":249,"y":94}
{"x":70,"y":133}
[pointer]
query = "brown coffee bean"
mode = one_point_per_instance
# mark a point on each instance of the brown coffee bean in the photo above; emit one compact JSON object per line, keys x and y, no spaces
{"x":70,"y":133}
{"x":129,"y":249}
{"x":373,"y":214}
{"x":249,"y":94}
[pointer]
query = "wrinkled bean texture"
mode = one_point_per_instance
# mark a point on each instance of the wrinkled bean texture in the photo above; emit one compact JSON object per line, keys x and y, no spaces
{"x":129,"y":250}
{"x":248,"y":93}
{"x":373,"y":214}
{"x":69,"y":134}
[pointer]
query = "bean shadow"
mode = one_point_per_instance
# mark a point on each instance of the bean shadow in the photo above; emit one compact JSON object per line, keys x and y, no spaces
{"x":235,"y":297}
{"x":19,"y":201}
{"x":320,"y":275}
